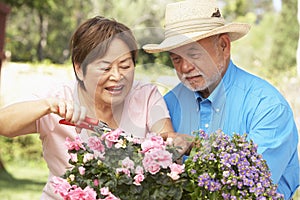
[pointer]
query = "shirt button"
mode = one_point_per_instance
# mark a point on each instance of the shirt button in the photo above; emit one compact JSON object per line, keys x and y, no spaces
{"x":206,"y":125}
{"x":217,"y":110}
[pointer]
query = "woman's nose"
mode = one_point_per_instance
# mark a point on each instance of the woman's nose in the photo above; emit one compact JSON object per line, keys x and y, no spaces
{"x":115,"y":74}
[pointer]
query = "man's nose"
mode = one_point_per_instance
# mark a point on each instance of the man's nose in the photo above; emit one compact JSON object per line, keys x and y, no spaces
{"x":186,"y":66}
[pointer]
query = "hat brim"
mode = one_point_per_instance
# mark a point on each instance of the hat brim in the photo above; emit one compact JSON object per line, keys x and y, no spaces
{"x":235,"y":31}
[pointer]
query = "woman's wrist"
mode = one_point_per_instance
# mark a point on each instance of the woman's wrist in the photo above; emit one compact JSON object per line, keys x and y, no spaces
{"x":49,"y":105}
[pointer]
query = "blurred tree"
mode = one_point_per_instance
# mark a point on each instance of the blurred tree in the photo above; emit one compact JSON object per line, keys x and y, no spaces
{"x":30,"y":26}
{"x":233,"y":10}
{"x":39,"y":30}
{"x":42,"y":8}
{"x":283,"y":55}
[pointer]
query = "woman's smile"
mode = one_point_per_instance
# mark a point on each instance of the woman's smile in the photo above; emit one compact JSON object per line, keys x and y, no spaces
{"x":115,"y":90}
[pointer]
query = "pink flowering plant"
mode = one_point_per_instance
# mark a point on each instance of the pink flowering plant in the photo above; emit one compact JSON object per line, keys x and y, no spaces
{"x":224,"y":167}
{"x":114,"y":165}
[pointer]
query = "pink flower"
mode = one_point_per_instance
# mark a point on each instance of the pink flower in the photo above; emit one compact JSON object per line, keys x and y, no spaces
{"x":138,"y":179}
{"x":77,"y":193}
{"x":96,"y":144}
{"x":139,"y":170}
{"x":81,"y":170}
{"x":173,"y":176}
{"x":73,"y":157}
{"x":137,"y":140}
{"x":87,"y":157}
{"x":165,"y":158}
{"x":176,"y":169}
{"x":162,"y":157}
{"x":104,"y":191}
{"x":76,"y":144}
{"x":61,"y":186}
{"x":127,"y":163}
{"x":123,"y":170}
{"x":96,"y":182}
{"x":153,"y":142}
{"x":111,"y":197}
{"x":156,"y":139}
{"x":111,"y":137}
{"x":151,"y":166}
{"x":90,"y":193}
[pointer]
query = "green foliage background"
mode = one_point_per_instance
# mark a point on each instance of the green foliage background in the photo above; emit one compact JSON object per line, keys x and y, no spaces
{"x":40,"y":30}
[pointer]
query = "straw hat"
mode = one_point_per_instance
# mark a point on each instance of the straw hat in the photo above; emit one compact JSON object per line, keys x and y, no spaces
{"x":192,"y":20}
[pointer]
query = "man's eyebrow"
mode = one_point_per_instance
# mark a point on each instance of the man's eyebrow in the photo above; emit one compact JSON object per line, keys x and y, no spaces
{"x":193,"y":48}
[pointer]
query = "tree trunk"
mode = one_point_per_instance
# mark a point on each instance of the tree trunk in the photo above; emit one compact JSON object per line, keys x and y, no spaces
{"x":2,"y":168}
{"x":43,"y":29}
{"x":5,"y":175}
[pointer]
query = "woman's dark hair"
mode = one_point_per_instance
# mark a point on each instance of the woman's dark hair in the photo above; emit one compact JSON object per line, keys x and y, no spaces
{"x":92,"y":39}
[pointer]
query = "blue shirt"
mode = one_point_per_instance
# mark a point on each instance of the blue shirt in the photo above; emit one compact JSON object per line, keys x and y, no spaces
{"x":244,"y":103}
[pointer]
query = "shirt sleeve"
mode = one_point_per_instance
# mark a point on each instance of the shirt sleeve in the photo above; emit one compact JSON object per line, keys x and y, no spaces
{"x":274,"y":131}
{"x":174,"y":108}
{"x":157,"y":108}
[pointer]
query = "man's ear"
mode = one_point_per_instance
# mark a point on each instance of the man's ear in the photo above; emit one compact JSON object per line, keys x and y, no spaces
{"x":225,"y":44}
{"x":78,"y":71}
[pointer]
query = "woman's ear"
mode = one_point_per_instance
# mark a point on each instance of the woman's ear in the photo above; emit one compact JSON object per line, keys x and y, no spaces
{"x":78,"y":71}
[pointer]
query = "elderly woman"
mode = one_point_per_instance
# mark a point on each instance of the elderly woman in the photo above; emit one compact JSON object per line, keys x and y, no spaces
{"x":103,"y":54}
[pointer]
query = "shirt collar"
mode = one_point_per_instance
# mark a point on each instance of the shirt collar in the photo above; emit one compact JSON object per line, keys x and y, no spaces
{"x":218,"y":96}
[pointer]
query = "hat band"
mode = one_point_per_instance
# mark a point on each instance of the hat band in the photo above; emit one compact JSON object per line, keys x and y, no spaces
{"x":193,"y":25}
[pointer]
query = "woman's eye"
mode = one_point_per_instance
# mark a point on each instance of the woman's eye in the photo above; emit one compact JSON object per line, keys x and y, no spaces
{"x":125,"y":67}
{"x":105,"y":69}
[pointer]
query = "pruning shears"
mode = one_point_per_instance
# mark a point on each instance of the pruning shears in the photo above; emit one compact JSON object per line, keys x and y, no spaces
{"x":90,"y":124}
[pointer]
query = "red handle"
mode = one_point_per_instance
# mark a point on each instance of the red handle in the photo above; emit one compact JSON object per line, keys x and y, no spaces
{"x":65,"y":122}
{"x":88,"y":123}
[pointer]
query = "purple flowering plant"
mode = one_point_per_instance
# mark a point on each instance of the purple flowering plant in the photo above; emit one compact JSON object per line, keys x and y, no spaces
{"x":114,"y":165}
{"x":224,"y":167}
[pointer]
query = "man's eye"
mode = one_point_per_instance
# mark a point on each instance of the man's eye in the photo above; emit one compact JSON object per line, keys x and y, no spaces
{"x":176,"y":59}
{"x":195,"y":55}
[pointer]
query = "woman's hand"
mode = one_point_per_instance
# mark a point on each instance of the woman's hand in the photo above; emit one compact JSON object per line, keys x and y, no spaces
{"x":68,"y":110}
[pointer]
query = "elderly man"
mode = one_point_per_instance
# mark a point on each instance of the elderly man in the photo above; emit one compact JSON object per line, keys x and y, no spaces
{"x":216,"y":94}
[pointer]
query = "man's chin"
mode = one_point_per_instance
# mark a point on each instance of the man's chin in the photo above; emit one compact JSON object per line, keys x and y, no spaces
{"x":192,"y":86}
